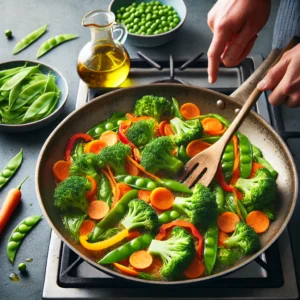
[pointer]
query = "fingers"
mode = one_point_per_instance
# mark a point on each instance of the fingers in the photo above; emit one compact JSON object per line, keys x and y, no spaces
{"x":215,"y":51}
{"x":292,"y":102}
{"x":247,"y":50}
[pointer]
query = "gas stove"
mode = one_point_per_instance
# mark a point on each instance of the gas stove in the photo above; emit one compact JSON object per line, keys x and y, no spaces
{"x":270,"y":276}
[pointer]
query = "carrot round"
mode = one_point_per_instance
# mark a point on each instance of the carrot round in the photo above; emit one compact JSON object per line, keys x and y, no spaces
{"x":10,"y":203}
{"x":61,"y":170}
{"x":86,"y":227}
{"x":98,"y":209}
{"x":123,"y":189}
{"x":155,"y":267}
{"x":211,"y":125}
{"x":95,"y":146}
{"x":144,"y":195}
{"x":92,"y":192}
{"x":227,"y":221}
{"x":195,"y":269}
{"x":168,"y":130}
{"x":223,"y":236}
{"x":258,"y":221}
{"x":141,"y":260}
{"x":131,"y":169}
{"x":109,"y":137}
{"x":162,"y":198}
{"x":255,"y":167}
{"x":161,"y":127}
{"x":126,"y":270}
{"x":190,"y":111}
{"x":195,"y":147}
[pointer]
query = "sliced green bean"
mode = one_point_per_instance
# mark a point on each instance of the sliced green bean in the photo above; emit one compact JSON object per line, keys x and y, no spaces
{"x":211,"y":247}
{"x":10,"y":169}
{"x":19,"y":234}
{"x":53,"y":42}
{"x":29,"y":39}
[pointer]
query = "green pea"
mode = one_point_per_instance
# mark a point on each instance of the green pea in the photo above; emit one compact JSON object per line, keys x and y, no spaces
{"x":165,"y":29}
{"x":172,"y":24}
{"x":174,"y":214}
{"x":22,"y":267}
{"x":122,"y":8}
{"x":209,"y":252}
{"x":147,"y":238}
{"x":124,"y":250}
{"x":17,"y":236}
{"x":163,"y":218}
{"x":140,"y":182}
{"x":244,"y":149}
{"x":127,"y":8}
{"x":209,"y":241}
{"x":134,"y":4}
{"x":153,"y":26}
{"x":170,"y":13}
{"x":149,"y":31}
{"x":170,"y":18}
{"x":136,"y":20}
{"x":119,"y":16}
{"x":99,"y":130}
{"x":135,"y":28}
{"x":8,"y":33}
{"x":151,"y":185}
{"x":157,"y":21}
{"x":12,"y":245}
{"x":246,"y":159}
{"x":128,"y":179}
{"x":6,"y":173}
{"x":2,"y":180}
{"x":23,"y":228}
{"x":164,"y":23}
{"x":136,"y":244}
{"x":154,"y":17}
{"x":109,"y":126}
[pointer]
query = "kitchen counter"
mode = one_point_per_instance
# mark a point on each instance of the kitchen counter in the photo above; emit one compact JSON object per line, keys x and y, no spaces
{"x":22,"y":17}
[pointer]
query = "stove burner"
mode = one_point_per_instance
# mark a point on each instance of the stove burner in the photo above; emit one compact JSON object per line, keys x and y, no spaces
{"x":172,"y":69}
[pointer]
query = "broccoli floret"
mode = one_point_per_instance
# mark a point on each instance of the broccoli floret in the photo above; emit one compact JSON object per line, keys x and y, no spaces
{"x":186,"y":131}
{"x":71,"y":194}
{"x":259,"y":192}
{"x":140,"y":214}
{"x":152,"y":106}
{"x":201,"y":208}
{"x":227,"y":257}
{"x":176,"y":253}
{"x":157,"y":156}
{"x":175,"y":110}
{"x":114,"y":157}
{"x":245,"y":238}
{"x":142,"y":132}
{"x":85,"y":164}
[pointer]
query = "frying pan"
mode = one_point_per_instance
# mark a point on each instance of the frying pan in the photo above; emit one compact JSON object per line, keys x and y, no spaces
{"x":259,"y":132}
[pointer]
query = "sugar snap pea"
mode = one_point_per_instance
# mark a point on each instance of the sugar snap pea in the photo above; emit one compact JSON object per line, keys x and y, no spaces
{"x":228,"y":161}
{"x":174,"y":185}
{"x":218,"y":191}
{"x":124,"y":251}
{"x":14,"y":94}
{"x":29,"y":39}
{"x":53,"y":42}
{"x":182,"y":155}
{"x":210,"y":139}
{"x":137,"y":182}
{"x":243,"y":210}
{"x":11,"y":71}
{"x":11,"y":168}
{"x":54,"y":103}
{"x":245,"y":152}
{"x":104,"y":190}
{"x":18,"y":235}
{"x":211,"y":247}
{"x":168,"y":216}
{"x":114,"y":216}
{"x":11,"y":115}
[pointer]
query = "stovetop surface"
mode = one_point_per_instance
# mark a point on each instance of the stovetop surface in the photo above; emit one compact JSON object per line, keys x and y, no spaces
{"x":272,"y":276}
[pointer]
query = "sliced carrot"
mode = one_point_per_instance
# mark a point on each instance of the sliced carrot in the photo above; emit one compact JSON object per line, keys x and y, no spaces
{"x":227,"y":221}
{"x":211,"y":125}
{"x":195,"y":269}
{"x":155,"y":267}
{"x":168,"y":130}
{"x":190,"y":110}
{"x":144,"y":195}
{"x":133,"y":118}
{"x":223,"y":236}
{"x":142,"y":169}
{"x":123,"y":189}
{"x":95,"y":146}
{"x":195,"y":147}
{"x":126,"y":270}
{"x":258,"y":221}
{"x":92,"y":192}
{"x":255,"y":167}
{"x":161,"y":127}
{"x":133,"y":234}
{"x":236,"y":165}
{"x":86,"y":227}
{"x":109,"y":137}
{"x":98,"y":209}
{"x":61,"y":170}
{"x":162,"y":198}
{"x":141,"y":260}
{"x":131,"y":169}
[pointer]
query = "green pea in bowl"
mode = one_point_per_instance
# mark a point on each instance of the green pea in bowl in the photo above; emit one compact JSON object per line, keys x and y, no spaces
{"x":150,"y":23}
{"x":32,"y":95}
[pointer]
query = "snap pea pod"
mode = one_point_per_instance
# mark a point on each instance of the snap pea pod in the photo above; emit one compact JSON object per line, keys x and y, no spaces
{"x":168,"y":216}
{"x":210,"y":139}
{"x":211,"y":247}
{"x":245,"y":152}
{"x":182,"y":155}
{"x":104,"y":190}
{"x":72,"y":222}
{"x":54,"y":103}
{"x":256,"y":152}
{"x":124,"y":251}
{"x":18,"y":235}
{"x":176,"y":110}
{"x":10,"y":169}
{"x":112,"y":123}
{"x":29,"y":39}
{"x":228,"y":161}
{"x":11,"y":115}
{"x":219,"y":193}
{"x":174,"y":186}
{"x":14,"y":94}
{"x":77,"y":151}
{"x":11,"y":71}
{"x":243,"y":210}
{"x":137,"y":182}
{"x":114,"y":216}
{"x":53,"y":42}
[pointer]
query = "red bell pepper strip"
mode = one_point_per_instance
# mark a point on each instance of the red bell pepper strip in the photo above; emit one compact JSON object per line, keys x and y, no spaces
{"x":70,"y":144}
{"x":221,"y":180}
{"x":195,"y":232}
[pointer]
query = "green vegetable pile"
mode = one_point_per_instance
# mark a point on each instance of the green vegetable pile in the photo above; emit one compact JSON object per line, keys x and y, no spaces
{"x":148,"y":18}
{"x":26,"y":95}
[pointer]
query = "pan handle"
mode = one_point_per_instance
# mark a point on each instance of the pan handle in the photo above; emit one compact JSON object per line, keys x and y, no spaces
{"x":245,"y":90}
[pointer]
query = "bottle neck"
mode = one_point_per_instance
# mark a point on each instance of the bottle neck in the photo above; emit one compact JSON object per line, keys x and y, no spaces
{"x":99,"y":35}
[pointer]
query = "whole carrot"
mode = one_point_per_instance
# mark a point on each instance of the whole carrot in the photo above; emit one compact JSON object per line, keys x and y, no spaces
{"x":10,"y":203}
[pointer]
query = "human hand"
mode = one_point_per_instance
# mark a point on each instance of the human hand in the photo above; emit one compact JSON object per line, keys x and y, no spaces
{"x":235,"y":25}
{"x":284,"y":80}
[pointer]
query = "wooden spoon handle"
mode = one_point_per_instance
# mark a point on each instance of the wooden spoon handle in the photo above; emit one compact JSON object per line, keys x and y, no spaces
{"x":250,"y":102}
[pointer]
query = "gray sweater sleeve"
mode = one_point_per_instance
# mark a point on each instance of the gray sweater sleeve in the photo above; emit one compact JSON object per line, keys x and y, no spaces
{"x":287,"y":23}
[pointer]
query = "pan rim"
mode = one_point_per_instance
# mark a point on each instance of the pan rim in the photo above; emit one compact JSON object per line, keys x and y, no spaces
{"x":179,"y":282}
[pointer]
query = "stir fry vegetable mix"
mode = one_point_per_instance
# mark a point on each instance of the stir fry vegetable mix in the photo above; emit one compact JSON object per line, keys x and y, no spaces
{"x":118,"y":195}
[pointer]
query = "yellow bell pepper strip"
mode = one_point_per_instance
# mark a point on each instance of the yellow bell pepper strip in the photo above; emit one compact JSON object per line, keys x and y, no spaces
{"x":103,"y":244}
